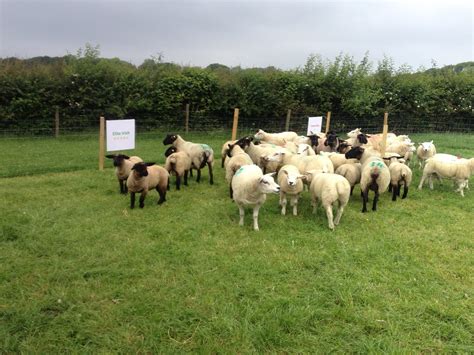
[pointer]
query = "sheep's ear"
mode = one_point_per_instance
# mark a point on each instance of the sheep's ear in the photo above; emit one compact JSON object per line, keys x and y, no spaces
{"x":110,"y":156}
{"x":285,"y":172}
{"x":125,"y":156}
{"x":431,"y":142}
{"x":149,"y":164}
{"x":270,"y":174}
{"x":303,"y":177}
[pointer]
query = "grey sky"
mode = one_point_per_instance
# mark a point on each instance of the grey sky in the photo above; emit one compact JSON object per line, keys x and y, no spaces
{"x":246,"y":33}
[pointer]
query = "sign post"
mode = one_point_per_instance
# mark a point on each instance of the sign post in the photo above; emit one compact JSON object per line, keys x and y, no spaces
{"x":384,"y":134}
{"x":101,"y":143}
{"x":287,"y":123}
{"x":314,"y":125}
{"x":235,"y":124}
{"x":328,"y":121}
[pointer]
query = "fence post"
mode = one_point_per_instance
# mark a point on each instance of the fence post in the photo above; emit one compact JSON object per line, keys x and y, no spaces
{"x":328,"y":121}
{"x":56,"y":123}
{"x":101,"y":143}
{"x":235,"y":124}
{"x":287,"y":123}
{"x":384,"y":134}
{"x":186,"y":122}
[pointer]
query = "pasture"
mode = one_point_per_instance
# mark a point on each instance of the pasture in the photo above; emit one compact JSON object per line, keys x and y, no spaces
{"x":81,"y":272}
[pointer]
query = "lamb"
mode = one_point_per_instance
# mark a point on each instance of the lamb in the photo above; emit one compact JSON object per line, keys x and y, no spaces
{"x":399,"y":174}
{"x":179,"y":164}
{"x":303,"y":163}
{"x":200,"y":154}
{"x":375,"y":175}
{"x":224,"y":150}
{"x":238,"y":158}
{"x":257,"y":152}
{"x":305,"y":149}
{"x":291,"y":184}
{"x":329,"y":188}
{"x":356,"y":138}
{"x":329,"y":144}
{"x":250,"y":187}
{"x":144,"y":177}
{"x":276,"y":138}
{"x":352,"y":172}
{"x":425,"y":151}
{"x":123,"y":165}
{"x":459,"y":170}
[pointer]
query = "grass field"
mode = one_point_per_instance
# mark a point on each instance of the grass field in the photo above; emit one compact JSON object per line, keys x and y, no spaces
{"x":81,"y":272}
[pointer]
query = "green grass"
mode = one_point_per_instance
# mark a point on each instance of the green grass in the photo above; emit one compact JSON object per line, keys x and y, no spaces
{"x":81,"y":272}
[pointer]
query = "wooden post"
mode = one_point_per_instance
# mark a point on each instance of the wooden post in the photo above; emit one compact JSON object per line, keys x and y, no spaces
{"x":56,"y":123}
{"x":384,"y":134}
{"x":101,"y":143}
{"x":328,"y":121}
{"x":186,"y":122}
{"x":235,"y":124}
{"x":287,"y":123}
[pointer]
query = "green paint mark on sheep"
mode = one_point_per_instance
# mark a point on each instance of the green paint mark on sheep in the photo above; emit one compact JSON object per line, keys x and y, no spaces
{"x":239,"y":171}
{"x":377,"y":164}
{"x":207,"y":148}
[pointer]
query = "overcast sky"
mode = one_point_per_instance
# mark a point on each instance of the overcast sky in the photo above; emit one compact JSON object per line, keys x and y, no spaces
{"x":247,"y":33}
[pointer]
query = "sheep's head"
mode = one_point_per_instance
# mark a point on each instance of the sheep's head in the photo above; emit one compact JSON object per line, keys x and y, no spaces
{"x":355,"y":153}
{"x":229,"y":149}
{"x":170,"y":151}
{"x":362,"y":138}
{"x":302,"y":149}
{"x":292,"y":177}
{"x":267,"y":184}
{"x":244,"y":142}
{"x":426,"y":146}
{"x":275,"y":156}
{"x":141,"y":168}
{"x":260,"y":134}
{"x":331,"y":140}
{"x":314,"y":140}
{"x":169,"y":139}
{"x":354,"y":133}
{"x":310,"y":174}
{"x":118,"y":158}
{"x":343,"y":147}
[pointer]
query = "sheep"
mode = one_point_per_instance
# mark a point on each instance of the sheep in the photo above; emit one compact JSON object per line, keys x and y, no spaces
{"x":144,"y":177}
{"x":178,"y":163}
{"x":399,"y":174}
{"x":200,"y":154}
{"x":237,"y":159}
{"x":352,"y":172}
{"x":305,"y":149}
{"x":276,"y":138}
{"x":291,"y":184}
{"x":250,"y":187}
{"x":329,"y":144}
{"x":329,"y":188}
{"x":258,"y":152}
{"x":123,"y":165}
{"x":356,"y":138}
{"x":424,"y":151}
{"x":459,"y":170}
{"x":224,"y":150}
{"x":375,"y":175}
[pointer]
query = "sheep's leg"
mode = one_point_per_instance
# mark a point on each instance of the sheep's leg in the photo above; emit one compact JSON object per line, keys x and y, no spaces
{"x":123,"y":186}
{"x":352,"y":189}
{"x":376,"y":198}
{"x":255,"y":217}
{"x":142,"y":199}
{"x":198,"y":178}
{"x":399,"y":186}
{"x":186,"y":177}
{"x":168,"y":185}
{"x":330,"y":217}
{"x":430,"y":180}
{"x":394,"y":192}
{"x":132,"y":200}
{"x":178,"y":181}
{"x":422,"y":181}
{"x":283,"y":202}
{"x":314,"y":203}
{"x":162,"y":193}
{"x":390,"y":187}
{"x":294,"y":203}
{"x":222,"y":161}
{"x":231,"y":191}
{"x":339,"y":213}
{"x":365,"y":197}
{"x":191,"y":172}
{"x":405,"y":191}
{"x":211,"y":177}
{"x":241,"y":214}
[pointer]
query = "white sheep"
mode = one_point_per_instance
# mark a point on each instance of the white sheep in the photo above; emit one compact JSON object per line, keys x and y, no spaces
{"x":276,"y":138}
{"x":352,"y":172}
{"x":425,"y":151}
{"x":328,"y":189}
{"x":237,"y":159}
{"x":305,"y":149}
{"x":303,"y":163}
{"x":399,"y":174}
{"x":200,"y":154}
{"x":375,"y":175}
{"x":441,"y":166}
{"x":250,"y":187}
{"x":225,"y":148}
{"x":291,"y":184}
{"x":144,"y":177}
{"x":338,"y":159}
{"x":179,"y":164}
{"x":123,"y":165}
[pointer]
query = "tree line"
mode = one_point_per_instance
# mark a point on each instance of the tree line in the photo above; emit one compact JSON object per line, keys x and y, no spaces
{"x":84,"y":86}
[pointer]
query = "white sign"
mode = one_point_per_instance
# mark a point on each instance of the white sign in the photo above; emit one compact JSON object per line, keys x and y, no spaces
{"x":120,"y":135}
{"x":314,"y":125}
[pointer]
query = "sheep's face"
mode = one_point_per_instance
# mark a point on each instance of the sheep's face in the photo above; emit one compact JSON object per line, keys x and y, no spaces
{"x":303,"y":149}
{"x":267,"y":185}
{"x":118,"y":158}
{"x":141,"y":169}
{"x":169,"y":139}
{"x":170,"y":151}
{"x":259,"y":135}
{"x":314,"y":140}
{"x":244,"y":142}
{"x":362,"y":138}
{"x":276,"y":156}
{"x":426,"y":146}
{"x":331,"y":140}
{"x":354,"y":153}
{"x":292,"y":178}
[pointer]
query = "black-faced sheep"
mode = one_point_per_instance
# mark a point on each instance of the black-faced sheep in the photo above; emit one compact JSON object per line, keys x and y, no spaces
{"x":179,"y":164}
{"x":123,"y":165}
{"x":144,"y":177}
